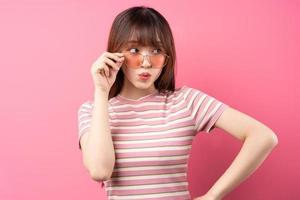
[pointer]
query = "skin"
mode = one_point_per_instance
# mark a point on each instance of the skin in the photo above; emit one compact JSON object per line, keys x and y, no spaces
{"x":133,"y":87}
{"x":258,"y":139}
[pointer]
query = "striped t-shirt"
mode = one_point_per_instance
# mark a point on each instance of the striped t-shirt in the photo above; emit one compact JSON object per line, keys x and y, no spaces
{"x":152,"y":137}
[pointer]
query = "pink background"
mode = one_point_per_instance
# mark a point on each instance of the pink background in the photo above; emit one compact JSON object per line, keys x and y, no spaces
{"x":246,"y":54}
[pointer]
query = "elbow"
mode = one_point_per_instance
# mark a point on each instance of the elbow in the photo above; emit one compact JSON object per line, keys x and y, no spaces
{"x":272,"y":139}
{"x":267,"y":138}
{"x":100,"y":175}
{"x":100,"y":172}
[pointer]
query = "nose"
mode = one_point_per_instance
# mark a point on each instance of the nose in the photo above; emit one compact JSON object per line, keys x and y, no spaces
{"x":146,"y":61}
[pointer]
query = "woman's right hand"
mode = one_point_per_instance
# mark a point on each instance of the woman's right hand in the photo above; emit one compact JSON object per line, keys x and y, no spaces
{"x":104,"y":70}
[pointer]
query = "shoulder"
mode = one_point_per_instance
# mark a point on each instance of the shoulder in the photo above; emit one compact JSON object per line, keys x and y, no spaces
{"x":86,"y":106}
{"x":191,"y":89}
{"x":174,"y":94}
{"x":189,"y":92}
{"x":87,"y":103}
{"x":181,"y":95}
{"x":182,"y":89}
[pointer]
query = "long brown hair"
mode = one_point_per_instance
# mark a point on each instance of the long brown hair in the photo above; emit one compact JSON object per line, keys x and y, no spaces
{"x":147,"y":24}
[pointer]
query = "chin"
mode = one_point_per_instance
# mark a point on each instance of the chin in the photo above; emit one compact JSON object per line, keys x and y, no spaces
{"x":143,"y":85}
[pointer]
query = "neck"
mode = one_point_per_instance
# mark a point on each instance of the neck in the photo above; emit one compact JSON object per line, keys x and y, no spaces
{"x":132,"y":92}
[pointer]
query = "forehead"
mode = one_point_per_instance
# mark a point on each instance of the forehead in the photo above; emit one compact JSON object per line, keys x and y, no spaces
{"x":140,"y":38}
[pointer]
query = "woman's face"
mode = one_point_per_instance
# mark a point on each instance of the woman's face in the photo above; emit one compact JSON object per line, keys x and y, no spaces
{"x":132,"y":74}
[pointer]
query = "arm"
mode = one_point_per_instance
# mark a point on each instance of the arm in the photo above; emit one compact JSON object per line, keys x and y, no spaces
{"x":97,"y":146}
{"x":258,"y":141}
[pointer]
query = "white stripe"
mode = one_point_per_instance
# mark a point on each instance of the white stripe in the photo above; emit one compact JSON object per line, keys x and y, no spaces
{"x":174,"y":130}
{"x":88,"y":107}
{"x":200,"y":116}
{"x":211,"y":114}
{"x":147,"y":177}
{"x":125,"y":169}
{"x":158,"y":149}
{"x":155,"y":119}
{"x":147,"y":104}
{"x":83,"y":126}
{"x":169,"y":97}
{"x":85,"y":121}
{"x":132,"y":197}
{"x":83,"y":130}
{"x":85,"y":106}
{"x":83,"y":115}
{"x":155,"y":158}
{"x":185,"y":138}
{"x":148,"y":186}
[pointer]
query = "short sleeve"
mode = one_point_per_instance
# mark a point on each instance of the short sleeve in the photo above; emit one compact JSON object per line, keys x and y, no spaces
{"x":84,"y":119}
{"x":206,"y":110}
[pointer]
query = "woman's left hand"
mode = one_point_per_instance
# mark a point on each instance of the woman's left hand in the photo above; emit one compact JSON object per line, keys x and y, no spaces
{"x":205,"y":197}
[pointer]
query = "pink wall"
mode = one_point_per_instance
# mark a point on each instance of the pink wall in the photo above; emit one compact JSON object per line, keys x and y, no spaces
{"x":243,"y":53}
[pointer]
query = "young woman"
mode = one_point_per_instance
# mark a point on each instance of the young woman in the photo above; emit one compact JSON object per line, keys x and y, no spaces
{"x":136,"y":134}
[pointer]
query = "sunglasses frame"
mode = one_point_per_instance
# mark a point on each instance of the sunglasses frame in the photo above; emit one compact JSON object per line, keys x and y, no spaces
{"x":148,"y":55}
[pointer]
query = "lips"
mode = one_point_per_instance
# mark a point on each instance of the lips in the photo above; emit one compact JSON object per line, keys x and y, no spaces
{"x":145,"y":74}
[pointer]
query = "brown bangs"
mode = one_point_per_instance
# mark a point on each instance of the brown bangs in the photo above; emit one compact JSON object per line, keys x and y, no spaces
{"x":144,"y":31}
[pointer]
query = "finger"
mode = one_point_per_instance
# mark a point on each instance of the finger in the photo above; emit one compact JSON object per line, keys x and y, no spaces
{"x":111,"y":63}
{"x":106,"y":69}
{"x":96,"y":67}
{"x":120,"y":54}
{"x":103,"y":70}
{"x":120,"y":62}
{"x":113,"y":56}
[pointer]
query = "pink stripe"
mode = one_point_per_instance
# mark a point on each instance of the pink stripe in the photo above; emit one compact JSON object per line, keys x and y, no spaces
{"x":157,"y":136}
{"x":146,"y":181}
{"x":211,"y":103}
{"x":153,"y":153}
{"x":214,"y":118}
{"x":155,"y":144}
{"x":151,"y":125}
{"x":171,"y":109}
{"x":178,"y":197}
{"x":133,"y":123}
{"x":149,"y":172}
{"x":170,"y":118}
{"x":149,"y":163}
{"x":162,"y":189}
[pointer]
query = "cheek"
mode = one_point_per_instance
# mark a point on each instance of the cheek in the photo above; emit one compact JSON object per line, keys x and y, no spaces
{"x":158,"y":73}
{"x":129,"y":73}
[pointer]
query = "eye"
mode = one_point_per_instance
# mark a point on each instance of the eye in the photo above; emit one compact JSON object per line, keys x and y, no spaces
{"x":157,"y":51}
{"x":132,"y":50}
